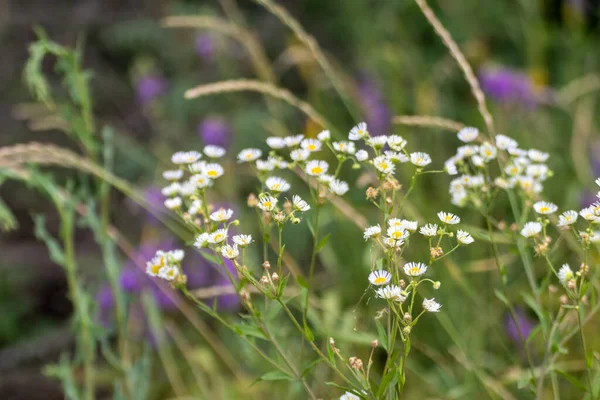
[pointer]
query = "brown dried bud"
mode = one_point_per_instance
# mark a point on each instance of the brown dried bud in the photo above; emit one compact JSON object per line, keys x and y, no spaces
{"x":372,"y":193}
{"x":252,"y":200}
{"x":402,"y":284}
{"x":564,"y":299}
{"x":266,"y":265}
{"x":572,"y":284}
{"x":552,"y":289}
{"x":279,"y":217}
{"x":245,"y":295}
{"x":584,"y":269}
{"x":436,"y":252}
{"x":275,"y":277}
{"x":375,"y":343}
{"x":264,"y":280}
{"x":288,"y":207}
{"x":514,"y":227}
{"x":502,"y":225}
{"x":331,"y":342}
{"x":355,"y":362}
{"x":267,"y":217}
{"x":407,"y":317}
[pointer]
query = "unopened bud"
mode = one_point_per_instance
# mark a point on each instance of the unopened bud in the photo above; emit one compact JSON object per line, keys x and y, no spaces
{"x":564,"y":299}
{"x":407,"y":317}
{"x":287,"y":207}
{"x":437,"y":284}
{"x":252,"y":200}
{"x":245,"y":295}
{"x":331,"y":342}
{"x":572,"y":284}
{"x":264,"y":280}
{"x":274,"y":277}
{"x":407,"y":330}
{"x":375,"y":343}
{"x":584,"y":269}
{"x":295,"y":221}
{"x":355,"y":362}
{"x":235,"y":222}
{"x":372,"y":193}
{"x":266,"y":265}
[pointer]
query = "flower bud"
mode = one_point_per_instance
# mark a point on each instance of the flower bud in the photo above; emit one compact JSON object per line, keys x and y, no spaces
{"x":407,"y":330}
{"x":374,"y":343}
{"x":275,"y":277}
{"x":437,"y":284}
{"x":264,"y":280}
{"x":252,"y":200}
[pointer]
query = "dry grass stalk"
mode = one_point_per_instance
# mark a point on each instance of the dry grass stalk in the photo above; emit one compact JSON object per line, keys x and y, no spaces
{"x":462,"y":62}
{"x":428,"y":121}
{"x":246,"y":85}
{"x":577,"y":88}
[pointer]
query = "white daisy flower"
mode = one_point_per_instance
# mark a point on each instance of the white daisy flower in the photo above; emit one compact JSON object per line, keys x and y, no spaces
{"x":171,"y":190}
{"x":504,"y":142}
{"x":384,"y":165}
{"x":230,"y":252}
{"x":464,"y":237}
{"x":197,"y":167}
{"x":185,"y":157}
{"x":213,"y":151}
{"x":396,"y":142}
{"x":176,"y":255}
{"x":450,"y":168}
{"x":448,"y":218}
{"x":487,"y":151}
{"x":537,"y":155}
{"x":403,"y":224}
{"x":588,"y":214}
{"x":275,"y":142}
{"x":531,"y":229}
{"x":311,"y":145}
{"x":277,"y":185}
{"x":372,"y":232}
{"x":265,"y":165}
{"x":173,"y":203}
{"x":567,"y":218}
{"x":391,"y":292}
{"x":213,"y":170}
{"x":565,"y":274}
{"x":187,"y":189}
{"x":392,"y":243}
{"x":324,"y":136}
{"x":267,"y":203}
{"x":414,"y":268}
{"x":327,"y":179}
{"x":431,"y":305}
{"x":248,"y":155}
{"x":195,"y":207}
{"x":344,"y":147}
{"x":478,"y":161}
{"x":217,"y":236}
{"x":157,"y":262}
{"x":362,"y":155}
{"x":517,"y":152}
{"x":468,"y":134}
{"x":299,"y":204}
{"x":168,"y":273}
{"x":396,"y":157}
{"x":377,"y":142}
{"x":299,"y":154}
{"x":513,"y":169}
{"x":242,"y":240}
{"x":502,"y":183}
{"x":429,"y":230}
{"x":221,"y":215}
{"x":349,"y":396}
{"x":292,"y":141}
{"x":526,"y":183}
{"x":338,"y":187}
{"x":200,"y":180}
{"x":358,"y":132}
{"x":380,"y":277}
{"x":545,"y":208}
{"x":538,"y":171}
{"x":201,"y":240}
{"x":397,"y":233}
{"x":420,"y":159}
{"x":277,"y":162}
{"x":173,"y":175}
{"x":316,"y":167}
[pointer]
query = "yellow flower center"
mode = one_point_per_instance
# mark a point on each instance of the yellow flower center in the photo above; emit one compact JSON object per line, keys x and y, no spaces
{"x":317,"y":170}
{"x":544,"y":210}
{"x":448,"y":218}
{"x":397,"y":235}
{"x":267,"y":204}
{"x":156,"y":268}
{"x":414,"y":270}
{"x":380,"y":280}
{"x":383,"y":166}
{"x":218,"y":237}
{"x":212,"y":172}
{"x":312,"y":147}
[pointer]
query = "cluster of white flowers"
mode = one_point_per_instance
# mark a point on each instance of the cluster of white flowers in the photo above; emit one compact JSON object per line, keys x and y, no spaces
{"x":165,"y":264}
{"x":525,"y":169}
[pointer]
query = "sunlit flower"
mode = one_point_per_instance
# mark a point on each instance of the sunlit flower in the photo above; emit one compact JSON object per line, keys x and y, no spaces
{"x":391,"y":292}
{"x":173,"y":175}
{"x":380,"y":277}
{"x":448,"y":218}
{"x":213,"y":151}
{"x":567,"y":218}
{"x":248,"y":155}
{"x":200,"y":180}
{"x":396,"y":142}
{"x":168,"y":273}
{"x":344,"y":147}
{"x":531,"y":229}
{"x":464,"y":237}
{"x":311,"y":145}
{"x":229,"y":251}
{"x":420,"y":159}
{"x":362,"y":155}
{"x":358,"y":132}
{"x":537,"y":156}
{"x":468,"y":134}
{"x":267,"y":203}
{"x":265,"y":165}
{"x":431,"y":305}
{"x":185,"y":157}
{"x":221,"y":215}
{"x":487,"y":151}
{"x":197,"y":167}
{"x":513,"y":169}
{"x":299,"y":154}
{"x":201,"y":240}
{"x":429,"y":230}
{"x":292,"y":141}
{"x":316,"y":167}
{"x":277,"y":185}
{"x":173,"y":203}
{"x":338,"y":187}
{"x":217,"y":236}
{"x":377,"y":142}
{"x":397,"y":233}
{"x":277,"y":162}
{"x":396,"y":157}
{"x":324,"y":136}
{"x":195,"y":207}
{"x":242,"y":240}
{"x":504,"y":142}
{"x":187,"y":189}
{"x":414,"y":268}
{"x":565,"y":274}
{"x":544,"y":207}
{"x":157,"y":262}
{"x":589,"y":214}
{"x":384,"y":165}
{"x":299,"y":204}
{"x":171,"y":190}
{"x":275,"y":142}
{"x":349,"y":396}
{"x":213,"y":170}
{"x":372,"y":232}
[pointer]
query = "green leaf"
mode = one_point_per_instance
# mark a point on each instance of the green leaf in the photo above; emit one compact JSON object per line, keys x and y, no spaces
{"x":382,"y":335}
{"x":589,"y":359}
{"x":501,"y":297}
{"x":573,"y":380}
{"x":276,"y":375}
{"x":311,"y":365}
{"x":387,"y":380}
{"x":308,"y":333}
{"x":302,"y":282}
{"x":8,"y":222}
{"x":249,"y":330}
{"x":323,"y":242}
{"x":54,"y":247}
{"x":330,"y":354}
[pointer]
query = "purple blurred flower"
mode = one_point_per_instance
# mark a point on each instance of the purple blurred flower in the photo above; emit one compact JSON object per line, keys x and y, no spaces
{"x":205,"y":47}
{"x":215,"y":131}
{"x":509,"y":86}
{"x":155,"y":200}
{"x":526,"y":323}
{"x":149,"y":87}
{"x":376,"y":111}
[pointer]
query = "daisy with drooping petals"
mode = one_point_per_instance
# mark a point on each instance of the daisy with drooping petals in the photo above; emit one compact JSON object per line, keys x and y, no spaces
{"x":242,"y":240}
{"x":567,"y":218}
{"x":362,"y":155}
{"x":201,"y":240}
{"x":380,"y":277}
{"x":324,"y":136}
{"x":299,"y":154}
{"x":358,"y":132}
{"x":230,"y":252}
{"x":185,"y":157}
{"x":391,"y":292}
{"x":372,"y":232}
{"x":377,"y":142}
{"x":213,"y":151}
{"x":537,"y":155}
{"x":429,"y":230}
{"x":171,"y":190}
{"x":464,"y":237}
{"x":293,"y":141}
{"x":275,"y":142}
{"x":217,"y":236}
{"x":396,"y":142}
{"x":174,"y":175}
{"x":431,"y":305}
{"x":248,"y":155}
{"x":267,"y":203}
{"x":468,"y":134}
{"x":277,"y":185}
{"x":448,"y":218}
{"x":414,"y":268}
{"x":173,"y":203}
{"x":338,"y":187}
{"x":504,"y":142}
{"x":316,"y":167}
{"x":531,"y":229}
{"x":420,"y":159}
{"x":265,"y":165}
{"x":565,"y":274}
{"x":545,"y":208}
{"x":299,"y":204}
{"x":221,"y":215}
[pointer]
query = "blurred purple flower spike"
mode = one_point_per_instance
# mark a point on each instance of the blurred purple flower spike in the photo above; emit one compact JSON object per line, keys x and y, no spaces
{"x":378,"y":115}
{"x":205,"y":47}
{"x":509,"y":86}
{"x":526,"y":323}
{"x":215,"y":131}
{"x":150,"y":87}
